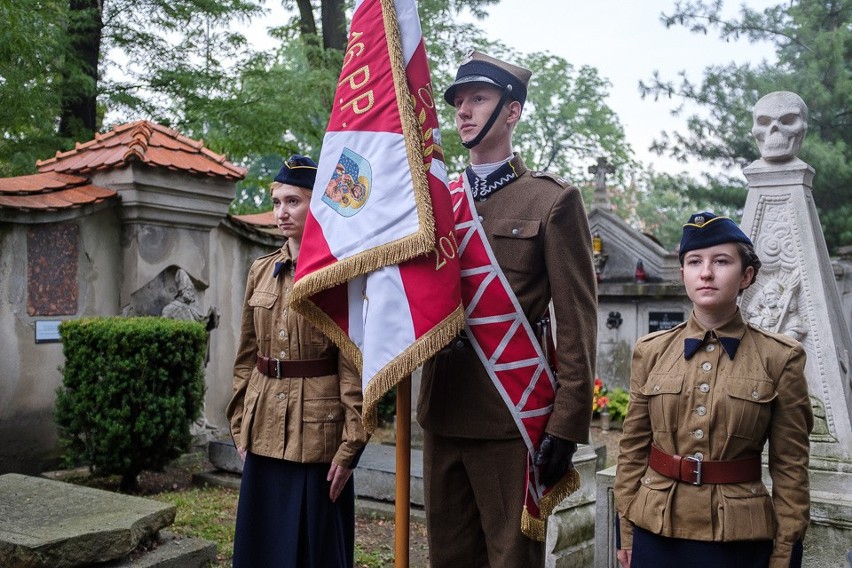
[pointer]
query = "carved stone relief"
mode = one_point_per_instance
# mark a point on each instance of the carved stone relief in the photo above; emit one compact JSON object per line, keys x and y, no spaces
{"x":777,"y":301}
{"x":185,"y":306}
{"x":775,"y":307}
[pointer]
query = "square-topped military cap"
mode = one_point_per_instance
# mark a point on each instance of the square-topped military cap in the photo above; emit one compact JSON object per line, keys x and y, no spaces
{"x":477,"y":67}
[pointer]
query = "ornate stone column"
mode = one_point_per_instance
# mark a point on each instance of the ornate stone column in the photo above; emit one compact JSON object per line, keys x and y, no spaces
{"x":795,"y":294}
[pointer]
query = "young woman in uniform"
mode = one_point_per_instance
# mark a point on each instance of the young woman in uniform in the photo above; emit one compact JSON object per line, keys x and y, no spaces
{"x":705,"y":397}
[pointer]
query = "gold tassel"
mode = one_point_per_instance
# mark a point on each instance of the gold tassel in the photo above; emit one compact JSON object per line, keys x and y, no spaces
{"x":536,"y":527}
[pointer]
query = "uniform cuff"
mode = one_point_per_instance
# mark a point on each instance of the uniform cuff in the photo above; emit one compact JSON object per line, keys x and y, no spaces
{"x":626,"y":532}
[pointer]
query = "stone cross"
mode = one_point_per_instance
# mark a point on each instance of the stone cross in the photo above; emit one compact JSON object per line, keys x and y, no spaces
{"x":600,"y":170}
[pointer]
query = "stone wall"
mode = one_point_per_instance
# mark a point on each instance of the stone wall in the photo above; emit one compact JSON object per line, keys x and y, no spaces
{"x":29,"y":371}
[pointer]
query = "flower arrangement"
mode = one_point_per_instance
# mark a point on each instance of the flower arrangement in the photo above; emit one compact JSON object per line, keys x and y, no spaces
{"x":600,"y":401}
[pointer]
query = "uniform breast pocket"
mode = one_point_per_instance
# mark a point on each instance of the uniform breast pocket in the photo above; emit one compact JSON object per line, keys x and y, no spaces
{"x":665,"y":396}
{"x":515,"y":244}
{"x":748,"y":407}
{"x":262,"y":302}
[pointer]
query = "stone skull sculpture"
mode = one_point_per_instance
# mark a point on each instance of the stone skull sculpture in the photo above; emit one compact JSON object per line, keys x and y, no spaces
{"x":780,"y":123}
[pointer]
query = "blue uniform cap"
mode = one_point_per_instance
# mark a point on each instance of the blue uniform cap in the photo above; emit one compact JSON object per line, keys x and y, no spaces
{"x":705,"y":230}
{"x":298,"y":170}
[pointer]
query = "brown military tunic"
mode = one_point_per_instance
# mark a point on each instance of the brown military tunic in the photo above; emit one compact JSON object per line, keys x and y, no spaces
{"x":474,"y":457}
{"x":539,"y":232}
{"x":723,"y":403}
{"x":306,"y":420}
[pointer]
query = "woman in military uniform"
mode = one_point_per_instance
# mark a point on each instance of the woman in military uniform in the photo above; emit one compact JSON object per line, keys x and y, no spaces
{"x":704,"y":399}
{"x":295,"y":414}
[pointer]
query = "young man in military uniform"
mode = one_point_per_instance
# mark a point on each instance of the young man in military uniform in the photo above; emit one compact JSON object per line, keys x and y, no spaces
{"x":475,"y":456}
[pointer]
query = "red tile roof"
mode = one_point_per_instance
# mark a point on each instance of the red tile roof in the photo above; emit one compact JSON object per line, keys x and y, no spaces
{"x":146,"y":142}
{"x":262,"y":222}
{"x":50,"y":191}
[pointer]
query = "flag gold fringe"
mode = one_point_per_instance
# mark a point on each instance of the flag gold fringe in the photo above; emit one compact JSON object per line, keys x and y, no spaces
{"x":536,"y":527}
{"x":405,"y":363}
{"x":394,"y":252}
{"x":411,"y":131}
{"x":328,"y":327}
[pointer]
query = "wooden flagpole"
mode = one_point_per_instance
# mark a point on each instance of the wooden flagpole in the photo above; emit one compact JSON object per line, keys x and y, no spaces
{"x":402,"y":514}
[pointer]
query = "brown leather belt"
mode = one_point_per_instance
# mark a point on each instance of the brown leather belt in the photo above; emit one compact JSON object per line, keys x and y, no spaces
{"x":284,"y":368}
{"x":697,"y":472}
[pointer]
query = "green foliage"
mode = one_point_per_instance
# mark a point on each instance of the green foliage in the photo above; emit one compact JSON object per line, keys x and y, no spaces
{"x":29,"y":102}
{"x":386,"y":409}
{"x":184,"y":53}
{"x":131,"y":389}
{"x":182,"y":64}
{"x":813,"y":43}
{"x":373,"y":558}
{"x":618,"y":399}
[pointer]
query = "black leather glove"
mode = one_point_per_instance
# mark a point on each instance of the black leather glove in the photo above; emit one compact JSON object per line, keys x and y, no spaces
{"x":553,"y":459}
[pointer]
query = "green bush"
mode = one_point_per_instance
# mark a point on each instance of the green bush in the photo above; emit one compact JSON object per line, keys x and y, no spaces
{"x":386,"y":409}
{"x":131,"y":389}
{"x":618,"y":399}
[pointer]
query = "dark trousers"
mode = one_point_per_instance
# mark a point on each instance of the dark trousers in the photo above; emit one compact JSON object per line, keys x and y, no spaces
{"x":654,"y":551}
{"x":474,"y":491}
{"x":286,"y":520}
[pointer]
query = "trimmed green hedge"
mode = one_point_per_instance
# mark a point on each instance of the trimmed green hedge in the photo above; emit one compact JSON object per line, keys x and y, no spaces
{"x":131,"y":389}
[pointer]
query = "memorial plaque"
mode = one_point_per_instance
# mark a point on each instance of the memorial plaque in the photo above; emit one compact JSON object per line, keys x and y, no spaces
{"x":52,"y":252}
{"x":47,"y":331}
{"x":658,"y":321}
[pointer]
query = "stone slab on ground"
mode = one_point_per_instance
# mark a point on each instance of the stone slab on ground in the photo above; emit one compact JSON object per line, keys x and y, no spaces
{"x":223,"y":455}
{"x":375,"y":477}
{"x":172,"y":551}
{"x":385,"y":510}
{"x":51,"y":524}
{"x":217,"y":478}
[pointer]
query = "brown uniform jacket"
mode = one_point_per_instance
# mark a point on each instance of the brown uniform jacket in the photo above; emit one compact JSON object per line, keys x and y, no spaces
{"x":539,"y":232}
{"x":306,"y":420}
{"x":724,"y":409}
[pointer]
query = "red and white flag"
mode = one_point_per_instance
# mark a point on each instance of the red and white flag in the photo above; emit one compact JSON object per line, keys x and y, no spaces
{"x":378,"y":267}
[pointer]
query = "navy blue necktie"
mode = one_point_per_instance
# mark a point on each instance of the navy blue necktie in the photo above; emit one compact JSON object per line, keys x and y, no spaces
{"x":279,"y":266}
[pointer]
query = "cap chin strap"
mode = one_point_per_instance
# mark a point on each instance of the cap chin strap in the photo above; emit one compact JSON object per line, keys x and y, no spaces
{"x":504,"y":96}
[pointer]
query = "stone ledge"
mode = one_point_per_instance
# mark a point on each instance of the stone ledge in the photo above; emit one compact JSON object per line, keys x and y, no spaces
{"x":51,"y":524}
{"x":172,"y":551}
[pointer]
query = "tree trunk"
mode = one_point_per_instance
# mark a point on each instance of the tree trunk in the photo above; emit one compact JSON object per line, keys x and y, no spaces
{"x":333,"y":25}
{"x":78,"y":119}
{"x":130,"y":481}
{"x":307,"y":23}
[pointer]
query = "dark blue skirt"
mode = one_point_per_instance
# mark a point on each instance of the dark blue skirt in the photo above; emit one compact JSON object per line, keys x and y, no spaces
{"x":286,"y":520}
{"x":654,"y":551}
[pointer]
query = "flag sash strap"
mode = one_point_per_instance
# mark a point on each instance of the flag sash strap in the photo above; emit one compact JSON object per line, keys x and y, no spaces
{"x":504,"y":341}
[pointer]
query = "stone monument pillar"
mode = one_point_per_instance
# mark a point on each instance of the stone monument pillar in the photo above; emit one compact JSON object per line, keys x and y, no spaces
{"x":795,"y":294}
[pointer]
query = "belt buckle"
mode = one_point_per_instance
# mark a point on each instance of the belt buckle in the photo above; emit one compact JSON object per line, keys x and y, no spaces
{"x":697,"y":471}
{"x":277,"y":368}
